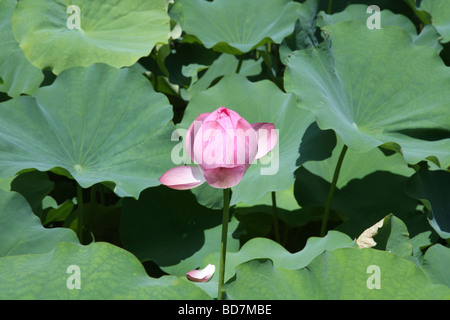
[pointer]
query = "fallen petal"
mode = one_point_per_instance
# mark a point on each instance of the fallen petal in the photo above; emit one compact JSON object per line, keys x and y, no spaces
{"x":201,"y":275}
{"x":183,"y":178}
{"x":365,"y":240}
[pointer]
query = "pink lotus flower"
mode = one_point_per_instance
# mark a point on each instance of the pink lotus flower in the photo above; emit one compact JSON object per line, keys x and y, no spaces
{"x":223,"y":145}
{"x":202,"y":275}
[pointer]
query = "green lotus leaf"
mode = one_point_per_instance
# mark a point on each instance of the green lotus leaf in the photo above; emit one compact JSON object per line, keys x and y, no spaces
{"x":55,"y":212}
{"x":304,"y":32}
{"x":233,"y":26}
{"x":224,"y":65}
{"x":436,"y":262}
{"x":440,"y":13}
{"x":358,"y":12}
{"x":393,"y":236}
{"x":98,"y":124}
{"x":5,"y":183}
{"x":341,"y":274}
{"x":285,"y":200}
{"x":372,"y":97}
{"x":256,"y":102}
{"x":54,"y":34}
{"x":262,"y":248}
{"x":17,"y":75}
{"x":35,"y":263}
{"x":106,"y":272}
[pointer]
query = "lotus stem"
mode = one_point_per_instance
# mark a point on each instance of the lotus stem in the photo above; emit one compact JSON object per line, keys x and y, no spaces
{"x":326,"y":214}
{"x":241,"y":58}
{"x":155,"y":73}
{"x":275,"y":217}
{"x":223,"y":246}
{"x":330,"y":6}
{"x":80,"y":213}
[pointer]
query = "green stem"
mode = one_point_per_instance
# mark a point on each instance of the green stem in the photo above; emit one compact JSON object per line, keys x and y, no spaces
{"x":223,"y":246}
{"x":93,"y":198}
{"x":275,"y":217}
{"x":285,"y":236}
{"x":330,"y":6}
{"x":80,"y":213}
{"x":155,"y":73}
{"x":257,"y":55}
{"x":241,"y":58}
{"x":326,"y":214}
{"x":102,"y":194}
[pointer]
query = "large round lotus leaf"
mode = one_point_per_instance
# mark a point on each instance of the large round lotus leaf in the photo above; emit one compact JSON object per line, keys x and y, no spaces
{"x":17,"y":75}
{"x":354,"y":84}
{"x":358,"y":12}
{"x":440,"y":13}
{"x":99,"y":124}
{"x":340,"y":274}
{"x":235,"y":26}
{"x":35,"y":261}
{"x":262,"y":101}
{"x":106,"y":272}
{"x":117,"y":33}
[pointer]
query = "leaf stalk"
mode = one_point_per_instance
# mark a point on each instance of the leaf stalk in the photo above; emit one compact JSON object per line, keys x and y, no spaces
{"x":223,"y":245}
{"x":326,"y":214}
